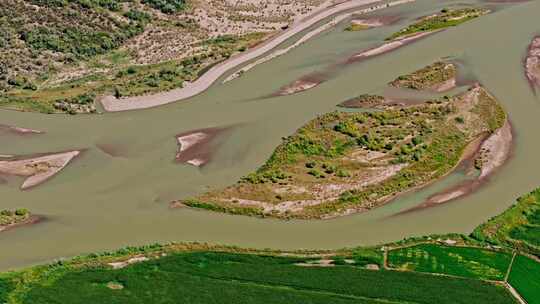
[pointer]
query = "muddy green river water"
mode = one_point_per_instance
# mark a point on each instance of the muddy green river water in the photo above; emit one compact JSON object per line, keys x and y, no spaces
{"x":102,"y":202}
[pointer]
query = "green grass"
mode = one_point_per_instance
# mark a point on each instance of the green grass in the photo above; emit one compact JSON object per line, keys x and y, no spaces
{"x":458,"y":261}
{"x":442,"y":20}
{"x":525,"y":278}
{"x":208,"y":277}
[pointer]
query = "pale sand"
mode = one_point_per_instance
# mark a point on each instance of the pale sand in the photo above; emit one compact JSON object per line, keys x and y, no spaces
{"x":119,"y":265}
{"x":532,"y":62}
{"x":392,"y":45}
{"x":188,"y":141}
{"x":496,"y":149}
{"x":112,"y":104}
{"x":368,"y":22}
{"x":445,"y":86}
{"x":196,"y":147}
{"x":38,"y":169}
{"x":324,"y":193}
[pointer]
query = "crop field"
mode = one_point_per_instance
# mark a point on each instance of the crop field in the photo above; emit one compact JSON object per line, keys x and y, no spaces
{"x":208,"y":277}
{"x":458,"y":261}
{"x":525,"y":278}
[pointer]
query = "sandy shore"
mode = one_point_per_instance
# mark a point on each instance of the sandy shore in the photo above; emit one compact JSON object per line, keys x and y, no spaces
{"x":195,"y":147}
{"x":298,"y":86}
{"x":494,"y":152}
{"x":18,"y":130}
{"x":112,"y":104}
{"x":532,"y":63}
{"x":37,"y":170}
{"x":390,"y":46}
{"x":445,"y":86}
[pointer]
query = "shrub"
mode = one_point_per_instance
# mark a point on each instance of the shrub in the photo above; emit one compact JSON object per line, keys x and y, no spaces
{"x":21,"y":212}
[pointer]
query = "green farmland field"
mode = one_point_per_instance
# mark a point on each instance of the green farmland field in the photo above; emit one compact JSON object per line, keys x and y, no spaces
{"x":458,"y":261}
{"x":208,"y":277}
{"x":525,"y":278}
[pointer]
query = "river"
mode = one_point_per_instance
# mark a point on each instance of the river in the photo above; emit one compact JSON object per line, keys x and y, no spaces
{"x":103,"y":202}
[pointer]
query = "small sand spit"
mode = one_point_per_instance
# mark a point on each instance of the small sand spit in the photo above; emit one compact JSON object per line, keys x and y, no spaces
{"x":493,"y":153}
{"x":318,"y":263}
{"x":119,"y":265}
{"x":195,"y":147}
{"x":532,"y":63}
{"x":19,"y":131}
{"x":390,"y":46}
{"x":298,"y":86}
{"x":37,"y":169}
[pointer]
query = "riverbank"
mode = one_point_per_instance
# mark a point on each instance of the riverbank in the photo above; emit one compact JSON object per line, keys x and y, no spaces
{"x":112,"y":104}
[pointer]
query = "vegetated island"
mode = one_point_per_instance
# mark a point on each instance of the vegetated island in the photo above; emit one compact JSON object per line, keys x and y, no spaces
{"x":482,"y":267}
{"x":532,"y":63}
{"x":445,"y":18}
{"x":439,"y":77}
{"x":36,"y":169}
{"x":342,"y":163}
{"x":13,"y":218}
{"x":421,"y":29}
